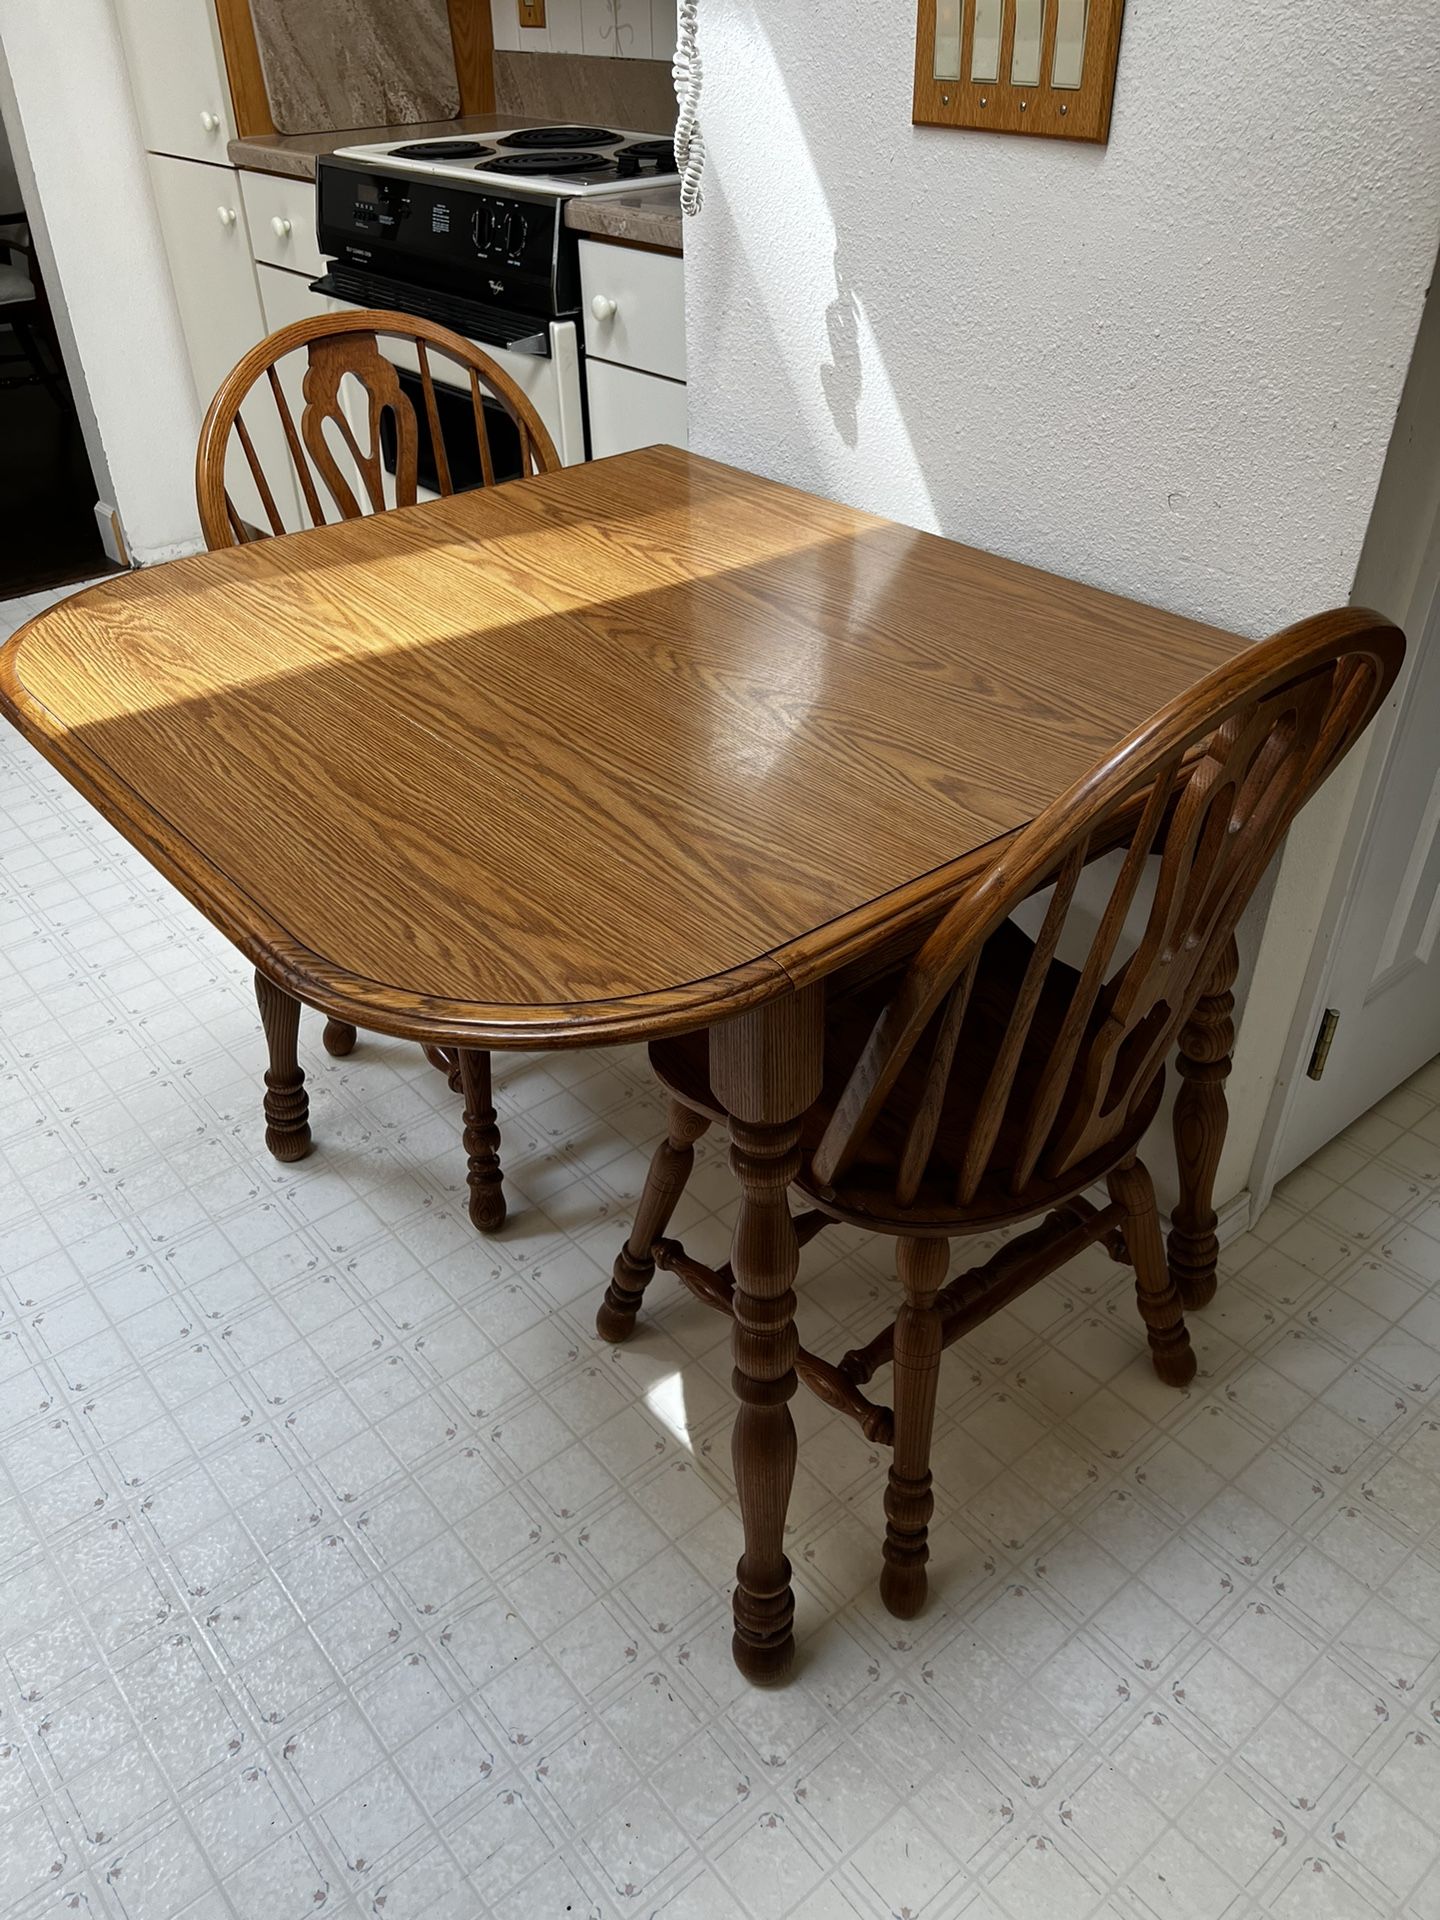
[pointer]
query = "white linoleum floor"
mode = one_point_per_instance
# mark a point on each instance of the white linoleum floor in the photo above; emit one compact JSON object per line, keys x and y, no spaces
{"x":342,"y":1571}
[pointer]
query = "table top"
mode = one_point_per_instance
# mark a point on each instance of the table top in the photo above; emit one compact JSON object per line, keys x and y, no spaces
{"x":603,"y":754}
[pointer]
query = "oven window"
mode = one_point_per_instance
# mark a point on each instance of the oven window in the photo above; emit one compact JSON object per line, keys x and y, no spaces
{"x":457,"y":425}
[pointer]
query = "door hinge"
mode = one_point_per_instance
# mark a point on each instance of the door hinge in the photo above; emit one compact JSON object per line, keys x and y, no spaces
{"x":1324,"y":1040}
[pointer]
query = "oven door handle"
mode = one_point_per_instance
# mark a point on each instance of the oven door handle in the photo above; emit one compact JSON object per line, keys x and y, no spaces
{"x":537,"y":344}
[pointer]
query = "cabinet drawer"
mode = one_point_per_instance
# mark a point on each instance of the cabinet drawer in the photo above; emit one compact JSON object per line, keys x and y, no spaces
{"x":281,"y":213}
{"x":634,"y":307}
{"x":629,"y":410}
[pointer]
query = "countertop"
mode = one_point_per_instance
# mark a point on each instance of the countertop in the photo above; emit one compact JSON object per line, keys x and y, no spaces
{"x":296,"y":153}
{"x":649,"y":217}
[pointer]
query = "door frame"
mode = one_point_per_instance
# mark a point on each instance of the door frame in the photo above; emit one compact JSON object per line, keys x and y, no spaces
{"x":1420,"y":617}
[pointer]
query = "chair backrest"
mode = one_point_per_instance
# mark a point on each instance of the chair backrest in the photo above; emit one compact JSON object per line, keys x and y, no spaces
{"x":330,"y":459}
{"x":1205,"y":790}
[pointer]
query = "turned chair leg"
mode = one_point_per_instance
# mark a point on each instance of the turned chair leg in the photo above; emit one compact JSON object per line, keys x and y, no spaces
{"x":482,"y":1143}
{"x":909,"y":1503}
{"x":635,"y":1264}
{"x":287,"y":1105}
{"x":1174,"y":1358}
{"x":1201,"y":1118}
{"x":339,"y":1038}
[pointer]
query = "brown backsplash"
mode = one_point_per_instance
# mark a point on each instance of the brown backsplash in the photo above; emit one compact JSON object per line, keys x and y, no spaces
{"x":355,"y":63}
{"x":584,"y":87}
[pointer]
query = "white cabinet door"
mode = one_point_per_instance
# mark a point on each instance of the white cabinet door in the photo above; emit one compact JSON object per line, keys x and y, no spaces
{"x":207,"y":242}
{"x":177,"y":72}
{"x":629,"y":410}
{"x":634,"y":307}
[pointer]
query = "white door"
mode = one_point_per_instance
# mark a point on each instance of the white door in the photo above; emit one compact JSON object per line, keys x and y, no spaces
{"x":1384,"y":980}
{"x":207,"y":242}
{"x":177,"y":74}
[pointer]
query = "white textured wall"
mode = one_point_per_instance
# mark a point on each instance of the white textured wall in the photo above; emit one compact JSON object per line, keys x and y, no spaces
{"x":635,"y":29}
{"x":1170,"y":366}
{"x":87,"y":193}
{"x":9,"y":184}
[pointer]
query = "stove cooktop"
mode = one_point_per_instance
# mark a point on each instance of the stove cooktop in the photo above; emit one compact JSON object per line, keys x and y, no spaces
{"x":562,"y":162}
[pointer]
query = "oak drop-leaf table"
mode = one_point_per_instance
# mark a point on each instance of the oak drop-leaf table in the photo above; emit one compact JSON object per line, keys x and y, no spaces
{"x":633,"y":748}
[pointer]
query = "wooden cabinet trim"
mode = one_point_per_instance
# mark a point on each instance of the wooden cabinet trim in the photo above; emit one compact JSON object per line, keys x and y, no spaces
{"x":242,"y":63}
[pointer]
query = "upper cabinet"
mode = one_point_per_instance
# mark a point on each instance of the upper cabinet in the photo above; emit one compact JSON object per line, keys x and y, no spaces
{"x":177,"y":71}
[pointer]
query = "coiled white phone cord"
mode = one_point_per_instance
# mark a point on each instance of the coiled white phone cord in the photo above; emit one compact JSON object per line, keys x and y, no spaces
{"x":689,"y":78}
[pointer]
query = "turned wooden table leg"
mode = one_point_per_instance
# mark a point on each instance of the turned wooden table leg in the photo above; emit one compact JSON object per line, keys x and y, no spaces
{"x":339,"y":1038}
{"x":1201,"y":1117}
{"x":765,"y":1067}
{"x":635,"y":1264}
{"x":482,"y":1143}
{"x":287,"y":1105}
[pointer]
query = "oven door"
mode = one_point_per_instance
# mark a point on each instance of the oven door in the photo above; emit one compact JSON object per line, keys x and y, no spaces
{"x":550,"y":381}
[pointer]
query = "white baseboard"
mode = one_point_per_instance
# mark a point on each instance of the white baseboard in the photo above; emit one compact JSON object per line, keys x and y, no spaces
{"x":1234,"y":1217}
{"x":156,"y":556}
{"x":1231,"y":1220}
{"x":112,"y":535}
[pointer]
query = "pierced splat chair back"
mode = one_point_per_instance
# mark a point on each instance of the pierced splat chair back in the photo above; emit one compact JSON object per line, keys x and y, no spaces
{"x":1202,"y":794}
{"x":360,"y":441}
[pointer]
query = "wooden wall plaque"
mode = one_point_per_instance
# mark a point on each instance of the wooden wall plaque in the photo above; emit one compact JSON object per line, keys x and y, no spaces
{"x":1018,"y":66}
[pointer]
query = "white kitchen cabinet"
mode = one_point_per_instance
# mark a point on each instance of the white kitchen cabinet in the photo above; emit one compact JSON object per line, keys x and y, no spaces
{"x":202,"y":217}
{"x":634,"y":306}
{"x":178,"y":77}
{"x":630,"y":409}
{"x":634,"y":303}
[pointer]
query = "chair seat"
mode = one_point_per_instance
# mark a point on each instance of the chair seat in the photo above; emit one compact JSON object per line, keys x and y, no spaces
{"x":864,"y":1195}
{"x":16,"y":286}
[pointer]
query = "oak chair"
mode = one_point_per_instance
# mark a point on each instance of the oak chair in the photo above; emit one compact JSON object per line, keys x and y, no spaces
{"x":984,"y":1081}
{"x":362,"y":444}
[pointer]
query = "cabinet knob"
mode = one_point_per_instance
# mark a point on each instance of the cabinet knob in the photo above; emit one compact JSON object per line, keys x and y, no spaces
{"x":280,"y":227}
{"x":603,"y":307}
{"x":227,"y":216}
{"x":210,"y":121}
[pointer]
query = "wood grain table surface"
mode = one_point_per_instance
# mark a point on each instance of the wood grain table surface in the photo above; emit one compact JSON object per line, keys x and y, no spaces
{"x":608,"y":754}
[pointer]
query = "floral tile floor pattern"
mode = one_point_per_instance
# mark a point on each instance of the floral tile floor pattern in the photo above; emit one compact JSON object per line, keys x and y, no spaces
{"x":342,"y":1571}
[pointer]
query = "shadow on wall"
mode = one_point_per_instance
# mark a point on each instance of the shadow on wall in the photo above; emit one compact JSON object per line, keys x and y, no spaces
{"x":1136,"y":364}
{"x":842,"y":379}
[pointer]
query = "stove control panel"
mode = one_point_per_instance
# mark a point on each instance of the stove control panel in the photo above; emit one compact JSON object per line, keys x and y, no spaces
{"x":500,"y":248}
{"x":501,"y":232}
